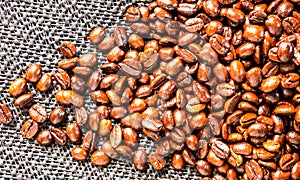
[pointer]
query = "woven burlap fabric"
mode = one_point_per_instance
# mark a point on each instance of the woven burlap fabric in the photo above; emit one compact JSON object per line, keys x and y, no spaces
{"x":30,"y":31}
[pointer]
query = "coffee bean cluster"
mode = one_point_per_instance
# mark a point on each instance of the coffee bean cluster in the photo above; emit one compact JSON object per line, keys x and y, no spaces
{"x":215,"y":83}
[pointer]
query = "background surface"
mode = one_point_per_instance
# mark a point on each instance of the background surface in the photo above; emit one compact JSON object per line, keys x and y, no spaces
{"x":30,"y":31}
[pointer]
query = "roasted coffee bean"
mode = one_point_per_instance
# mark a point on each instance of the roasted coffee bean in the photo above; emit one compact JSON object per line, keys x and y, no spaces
{"x":89,"y":141}
{"x":140,"y":159}
{"x":149,"y":59}
{"x":23,"y":100}
{"x":33,"y":73}
{"x":79,"y":153}
{"x":45,"y":83}
{"x":96,"y":35}
{"x":68,"y":63}
{"x":201,"y":92}
{"x":279,"y":174}
{"x":94,"y":121}
{"x":109,"y":150}
{"x":59,"y":136}
{"x":253,"y":170}
{"x":140,"y":28}
{"x":99,"y":97}
{"x":78,"y":84}
{"x":270,"y":84}
{"x":167,"y":90}
{"x":29,"y":129}
{"x":99,"y":158}
{"x":62,"y":78}
{"x":242,"y":148}
{"x":73,"y":132}
{"x":130,"y":136}
{"x":177,"y":161}
{"x":287,"y":161}
{"x":220,"y":149}
{"x":204,"y":168}
{"x":38,"y":113}
{"x":213,"y":159}
{"x":164,"y":148}
{"x":113,"y":97}
{"x":295,"y":173}
{"x":106,"y":44}
{"x":17,"y":87}
{"x":115,"y":55}
{"x":254,"y":33}
{"x":198,"y":121}
{"x":137,"y":105}
{"x":186,"y":38}
{"x":152,"y":124}
{"x":179,"y":117}
{"x":115,"y":136}
{"x":88,"y":59}
{"x":118,"y":112}
{"x":257,"y":130}
{"x":94,"y":80}
{"x":131,"y":67}
{"x":219,"y":44}
{"x":284,"y":108}
{"x":120,"y":35}
{"x":237,"y":71}
{"x":6,"y":116}
{"x":188,"y":157}
{"x":67,"y":49}
{"x":235,"y":16}
{"x":108,"y":80}
{"x":226,"y":89}
{"x":245,"y":50}
{"x":68,"y":97}
{"x":157,"y":161}
{"x":290,"y":80}
{"x":104,"y":127}
{"x":44,"y":137}
{"x":136,"y":42}
{"x":80,"y":115}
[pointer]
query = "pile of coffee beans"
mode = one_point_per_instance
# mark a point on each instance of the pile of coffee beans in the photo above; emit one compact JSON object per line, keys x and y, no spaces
{"x":213,"y":83}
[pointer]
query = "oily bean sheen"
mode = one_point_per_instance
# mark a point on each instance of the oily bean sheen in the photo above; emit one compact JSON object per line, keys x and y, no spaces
{"x":59,"y":136}
{"x":45,"y":83}
{"x":38,"y":113}
{"x":29,"y":129}
{"x":44,"y":137}
{"x":68,"y":49}
{"x":17,"y":87}
{"x":23,"y":100}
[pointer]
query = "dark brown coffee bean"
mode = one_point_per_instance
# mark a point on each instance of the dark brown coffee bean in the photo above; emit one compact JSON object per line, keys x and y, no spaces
{"x":257,"y":130}
{"x":88,"y":59}
{"x":220,"y":149}
{"x":68,"y":63}
{"x":99,"y":158}
{"x":192,"y":142}
{"x":248,"y":119}
{"x":73,"y":132}
{"x":245,"y":50}
{"x":194,"y":24}
{"x":177,"y":135}
{"x":290,"y":80}
{"x":45,"y":83}
{"x":151,"y":134}
{"x":234,"y":117}
{"x":131,"y":67}
{"x":94,"y":121}
{"x":62,"y":78}
{"x":136,"y":42}
{"x":23,"y":100}
{"x":157,"y":161}
{"x":106,"y":44}
{"x":282,"y":175}
{"x":201,"y":92}
{"x":143,"y":91}
{"x":115,"y":55}
{"x":96,"y":35}
{"x":287,"y":161}
{"x":242,"y":148}
{"x":132,"y":14}
{"x":167,"y":90}
{"x":177,"y":162}
{"x":253,"y":170}
{"x":94,"y":80}
{"x":44,"y":137}
{"x":120,"y":35}
{"x":270,"y":84}
{"x":168,"y":4}
{"x":235,"y":16}
{"x":68,"y":97}
{"x":6,"y":116}
{"x":198,"y":121}
{"x":33,"y":73}
{"x":99,"y":96}
{"x":109,"y":150}
{"x":29,"y":129}
{"x":38,"y":113}
{"x":78,"y":84}
{"x":219,"y":44}
{"x":140,"y":159}
{"x":59,"y":136}
{"x":80,"y":115}
{"x":89,"y":141}
{"x":17,"y":87}
{"x":213,"y":159}
{"x":254,"y":33}
{"x":273,"y":25}
{"x":67,"y":49}
{"x":149,"y":59}
{"x":204,"y":168}
{"x":237,"y":71}
{"x":284,"y":108}
{"x":137,"y":105}
{"x":188,"y":157}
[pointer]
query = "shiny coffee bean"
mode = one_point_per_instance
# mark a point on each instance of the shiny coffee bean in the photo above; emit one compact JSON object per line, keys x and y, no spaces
{"x":44,"y":137}
{"x":62,"y":78}
{"x":140,"y":159}
{"x":59,"y":136}
{"x":96,"y":35}
{"x":79,"y":153}
{"x":69,"y":63}
{"x":17,"y":87}
{"x":106,"y":44}
{"x":45,"y":83}
{"x":94,"y":121}
{"x":157,"y":161}
{"x":73,"y":132}
{"x":68,"y":49}
{"x":38,"y":113}
{"x":33,"y":73}
{"x":23,"y":100}
{"x":29,"y":129}
{"x":99,"y":158}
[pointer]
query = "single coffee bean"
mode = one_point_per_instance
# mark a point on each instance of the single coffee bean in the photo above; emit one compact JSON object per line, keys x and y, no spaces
{"x":33,"y":72}
{"x":82,"y":71}
{"x":45,"y":83}
{"x":106,"y":44}
{"x":131,"y":67}
{"x":157,"y":161}
{"x":119,"y":112}
{"x":96,"y":35}
{"x":253,"y":170}
{"x":23,"y":100}
{"x":38,"y":113}
{"x":73,"y":132}
{"x":105,"y":127}
{"x":284,"y":108}
{"x":220,"y":149}
{"x":103,"y":112}
{"x":88,"y":59}
{"x":204,"y":168}
{"x":99,"y":158}
{"x":6,"y":116}
{"x":167,"y":90}
{"x":132,"y":14}
{"x":295,"y":173}
{"x":44,"y":137}
{"x":120,"y":35}
{"x":94,"y":80}
{"x":152,"y":124}
{"x":68,"y":49}
{"x":80,"y":116}
{"x":271,"y":145}
{"x":201,"y":92}
{"x":68,"y":63}
{"x":253,"y":33}
{"x":17,"y":87}
{"x":140,"y":28}
{"x":136,"y":42}
{"x":257,"y":130}
{"x":242,"y":148}
{"x":287,"y":161}
{"x":79,"y":153}
{"x":177,"y":161}
{"x":59,"y":136}
{"x":94,"y":121}
{"x":115,"y":136}
{"x":29,"y":129}
{"x":124,"y":151}
{"x":62,"y":78}
{"x":237,"y":71}
{"x":226,"y":89}
{"x":115,"y":55}
{"x":78,"y":84}
{"x":68,"y":97}
{"x":130,"y":136}
{"x":89,"y":141}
